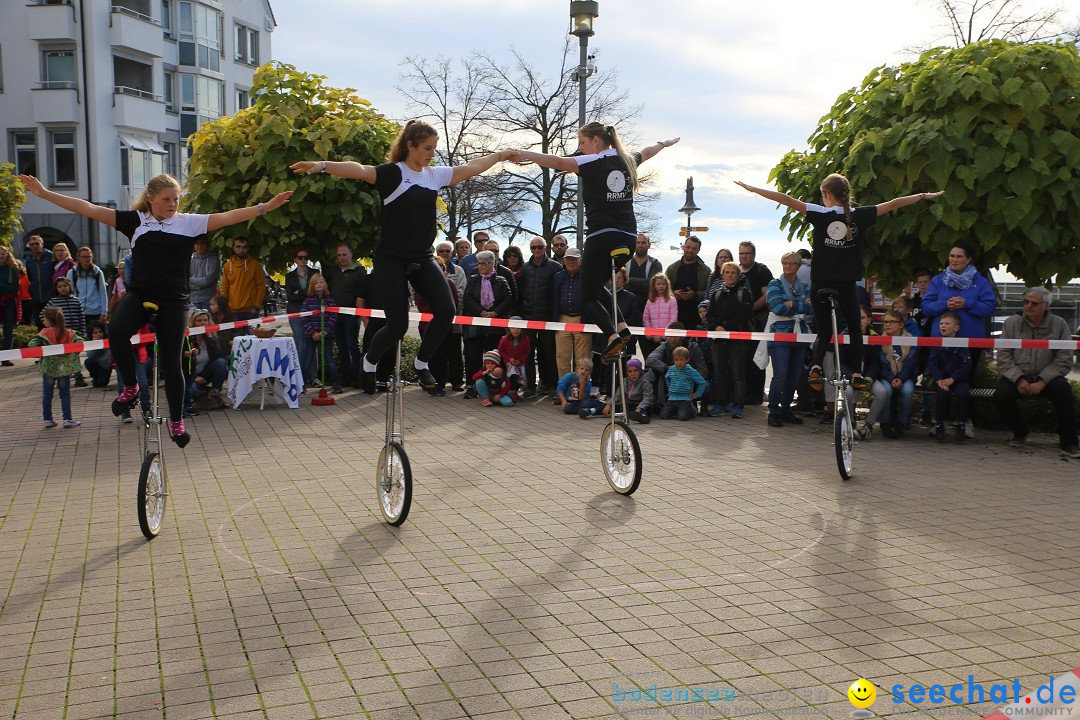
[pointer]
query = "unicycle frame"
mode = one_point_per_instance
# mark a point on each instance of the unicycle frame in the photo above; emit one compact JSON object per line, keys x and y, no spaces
{"x":619,"y":448}
{"x":842,"y":403}
{"x":393,"y":493}
{"x":151,"y":501}
{"x":395,"y":403}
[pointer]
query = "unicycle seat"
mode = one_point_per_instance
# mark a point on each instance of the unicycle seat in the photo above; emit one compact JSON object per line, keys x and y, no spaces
{"x":619,"y":252}
{"x":152,"y":307}
{"x":828,"y":294}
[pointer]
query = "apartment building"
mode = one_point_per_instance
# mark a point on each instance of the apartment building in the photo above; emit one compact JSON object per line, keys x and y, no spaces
{"x":98,"y":96}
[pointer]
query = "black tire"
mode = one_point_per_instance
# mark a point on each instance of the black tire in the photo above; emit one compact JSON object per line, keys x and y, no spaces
{"x":393,"y":484}
{"x":620,"y":457}
{"x":152,"y":496}
{"x":843,"y":440}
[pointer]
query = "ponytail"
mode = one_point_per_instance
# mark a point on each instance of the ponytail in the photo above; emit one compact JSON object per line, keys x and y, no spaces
{"x":838,"y":186}
{"x":611,"y":139}
{"x":55,"y":315}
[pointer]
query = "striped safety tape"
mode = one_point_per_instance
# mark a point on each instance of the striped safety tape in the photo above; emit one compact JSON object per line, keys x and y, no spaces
{"x":985,"y":343}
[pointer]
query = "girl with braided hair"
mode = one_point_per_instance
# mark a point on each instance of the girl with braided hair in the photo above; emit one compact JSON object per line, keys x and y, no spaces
{"x":839,"y":236}
{"x":608,"y":176}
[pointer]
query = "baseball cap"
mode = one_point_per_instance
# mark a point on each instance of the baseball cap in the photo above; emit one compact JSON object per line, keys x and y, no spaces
{"x":572,"y":252}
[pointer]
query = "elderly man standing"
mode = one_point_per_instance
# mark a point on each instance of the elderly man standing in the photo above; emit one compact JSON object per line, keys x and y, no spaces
{"x":203,"y":278}
{"x":570,"y":347}
{"x":537,"y":284}
{"x":1028,"y":372}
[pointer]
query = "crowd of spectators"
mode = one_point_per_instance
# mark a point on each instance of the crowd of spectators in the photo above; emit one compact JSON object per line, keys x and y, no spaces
{"x":676,"y":377}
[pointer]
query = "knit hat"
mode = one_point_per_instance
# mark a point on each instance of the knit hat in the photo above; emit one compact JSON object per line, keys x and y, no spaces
{"x":633,"y":363}
{"x":493,"y":356}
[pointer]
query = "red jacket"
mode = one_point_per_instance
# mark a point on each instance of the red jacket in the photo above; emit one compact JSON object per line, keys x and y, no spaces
{"x":514,"y":354}
{"x":497,"y":387}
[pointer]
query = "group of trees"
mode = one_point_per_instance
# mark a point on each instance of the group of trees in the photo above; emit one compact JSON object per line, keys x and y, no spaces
{"x":995,"y":122}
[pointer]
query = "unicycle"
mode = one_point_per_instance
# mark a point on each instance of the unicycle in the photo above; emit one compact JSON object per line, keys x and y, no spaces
{"x":393,"y":482}
{"x":153,"y":479}
{"x":843,"y":420}
{"x":620,"y":454}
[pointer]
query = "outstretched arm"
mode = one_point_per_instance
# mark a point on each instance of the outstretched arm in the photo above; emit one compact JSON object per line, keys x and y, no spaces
{"x":555,"y":162}
{"x":897,"y":203}
{"x":231,"y":217}
{"x":775,"y":196}
{"x":478,"y":165}
{"x":78,"y":206}
{"x":347,"y":169}
{"x":648,"y":152}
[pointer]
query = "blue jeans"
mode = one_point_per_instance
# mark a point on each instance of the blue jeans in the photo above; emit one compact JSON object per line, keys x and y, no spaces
{"x":347,"y":339}
{"x":326,"y":347}
{"x":99,"y":374}
{"x":47,"y":384}
{"x":141,"y":374}
{"x":301,"y":340}
{"x":882,"y":402}
{"x":215,"y":373}
{"x":787,"y":363}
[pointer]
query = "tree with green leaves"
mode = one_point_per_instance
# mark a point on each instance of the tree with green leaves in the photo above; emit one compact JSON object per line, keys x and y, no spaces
{"x":995,"y":124}
{"x":237,"y":161}
{"x":12,"y":196}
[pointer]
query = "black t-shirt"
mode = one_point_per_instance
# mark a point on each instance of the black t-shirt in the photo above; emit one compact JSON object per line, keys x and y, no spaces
{"x":346,"y":285}
{"x":836,"y":258}
{"x":758,"y":276}
{"x":606,"y":190}
{"x":161,"y":252}
{"x":408,"y":216}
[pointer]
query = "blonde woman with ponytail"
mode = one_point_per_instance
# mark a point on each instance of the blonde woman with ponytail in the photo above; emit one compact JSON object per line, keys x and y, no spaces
{"x":162,"y":241}
{"x":608,"y":175}
{"x":838,"y":239}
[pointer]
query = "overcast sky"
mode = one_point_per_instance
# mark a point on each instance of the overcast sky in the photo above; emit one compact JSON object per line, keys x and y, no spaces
{"x":742,"y":83}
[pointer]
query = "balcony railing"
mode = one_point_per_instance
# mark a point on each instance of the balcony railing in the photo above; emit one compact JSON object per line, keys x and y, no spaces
{"x":58,"y":85}
{"x":131,"y":13}
{"x":48,"y":2}
{"x":146,"y":94}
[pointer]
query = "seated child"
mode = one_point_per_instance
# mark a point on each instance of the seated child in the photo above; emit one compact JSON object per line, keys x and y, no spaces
{"x":899,"y":370}
{"x":684,"y":386}
{"x":639,"y":395}
{"x":491,"y":382}
{"x":99,"y":362}
{"x":514,"y":349}
{"x":575,"y":391}
{"x":950,"y":369}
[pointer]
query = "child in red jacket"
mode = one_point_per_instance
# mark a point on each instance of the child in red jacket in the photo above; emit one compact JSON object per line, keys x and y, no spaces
{"x":514,"y":348}
{"x":491,"y":382}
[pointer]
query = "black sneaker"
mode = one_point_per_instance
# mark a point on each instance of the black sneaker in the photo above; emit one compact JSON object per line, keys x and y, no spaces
{"x":826,"y":418}
{"x":961,"y":432}
{"x":816,"y":380}
{"x":470,"y":394}
{"x":367,"y":382}
{"x":791,"y":419}
{"x":939,"y":433}
{"x":775,"y":421}
{"x":584,"y":414}
{"x":426,"y":379}
{"x":1072,"y":451}
{"x":80,"y":381}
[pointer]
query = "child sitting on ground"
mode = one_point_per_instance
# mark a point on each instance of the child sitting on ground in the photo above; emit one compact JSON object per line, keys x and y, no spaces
{"x":575,"y":391}
{"x":899,"y":369}
{"x":950,"y":368}
{"x":491,"y":383}
{"x":514,"y":348}
{"x":639,"y":392}
{"x":99,"y":362}
{"x":684,"y":386}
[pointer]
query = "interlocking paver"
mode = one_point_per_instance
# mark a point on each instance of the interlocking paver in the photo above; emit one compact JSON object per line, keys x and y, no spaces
{"x":520,"y":587}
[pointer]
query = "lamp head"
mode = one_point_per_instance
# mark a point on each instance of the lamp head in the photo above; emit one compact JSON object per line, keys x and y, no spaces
{"x":689,"y":207}
{"x":582,"y":13}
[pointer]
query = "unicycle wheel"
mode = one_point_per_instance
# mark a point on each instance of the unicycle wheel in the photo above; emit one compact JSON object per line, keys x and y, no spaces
{"x":152,"y":494}
{"x":393,"y":484}
{"x":844,"y":441}
{"x":620,"y":456}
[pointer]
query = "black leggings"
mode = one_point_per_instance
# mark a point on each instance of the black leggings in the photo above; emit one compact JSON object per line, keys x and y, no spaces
{"x":127,"y":318}
{"x":596,"y":270}
{"x":849,"y":308}
{"x":391,"y":284}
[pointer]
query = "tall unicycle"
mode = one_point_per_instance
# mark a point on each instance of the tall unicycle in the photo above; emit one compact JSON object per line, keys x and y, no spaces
{"x":393,"y":483}
{"x":620,"y":454}
{"x":843,"y":415}
{"x":153,"y":478}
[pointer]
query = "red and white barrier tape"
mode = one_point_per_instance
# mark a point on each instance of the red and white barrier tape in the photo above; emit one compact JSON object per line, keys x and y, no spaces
{"x":1046,"y":701}
{"x":658,"y":333}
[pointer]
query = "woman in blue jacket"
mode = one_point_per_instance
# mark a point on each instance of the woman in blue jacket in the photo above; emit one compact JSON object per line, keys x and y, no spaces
{"x":962,"y":289}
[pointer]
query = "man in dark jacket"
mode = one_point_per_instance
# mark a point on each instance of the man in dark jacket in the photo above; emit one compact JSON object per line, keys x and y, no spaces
{"x":688,"y":279}
{"x":641,"y":267}
{"x":346,"y":281}
{"x":536,"y":287}
{"x":39,"y":267}
{"x":506,"y":274}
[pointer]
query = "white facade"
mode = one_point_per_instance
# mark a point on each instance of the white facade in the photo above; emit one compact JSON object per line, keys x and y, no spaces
{"x":98,"y":96}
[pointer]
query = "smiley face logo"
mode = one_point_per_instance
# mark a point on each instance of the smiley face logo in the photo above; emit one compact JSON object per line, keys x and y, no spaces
{"x":862,"y":693}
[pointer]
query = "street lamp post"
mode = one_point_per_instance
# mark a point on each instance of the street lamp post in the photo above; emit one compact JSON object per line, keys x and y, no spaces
{"x":582,"y":14}
{"x":689,"y":207}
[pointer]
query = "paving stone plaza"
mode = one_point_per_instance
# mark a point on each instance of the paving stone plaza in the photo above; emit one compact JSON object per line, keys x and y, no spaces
{"x":744,"y":578}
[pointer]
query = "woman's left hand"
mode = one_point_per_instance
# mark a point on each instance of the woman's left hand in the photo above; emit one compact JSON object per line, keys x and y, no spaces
{"x":669,"y":143}
{"x":278,"y":200}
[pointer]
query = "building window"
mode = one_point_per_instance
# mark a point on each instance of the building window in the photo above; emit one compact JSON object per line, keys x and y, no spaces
{"x":170,"y":158}
{"x":62,"y":154}
{"x":166,"y":17}
{"x":247,"y":45}
{"x":58,"y":69}
{"x":24,"y":151}
{"x":1,"y":70}
{"x":243,"y":100}
{"x":200,"y":36}
{"x":133,"y":78}
{"x":169,"y":89}
{"x":201,"y":99}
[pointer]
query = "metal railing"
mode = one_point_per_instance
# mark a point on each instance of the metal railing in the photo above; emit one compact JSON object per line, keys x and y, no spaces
{"x":138,"y":15}
{"x":57,"y":85}
{"x":145,"y":94}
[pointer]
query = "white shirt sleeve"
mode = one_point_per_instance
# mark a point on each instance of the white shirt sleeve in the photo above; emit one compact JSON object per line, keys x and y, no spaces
{"x":190,"y":225}
{"x":582,"y":159}
{"x":442,"y":175}
{"x":811,"y":207}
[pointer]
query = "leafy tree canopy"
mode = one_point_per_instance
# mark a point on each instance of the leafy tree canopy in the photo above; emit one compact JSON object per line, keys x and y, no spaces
{"x":12,"y":196}
{"x":995,"y":124}
{"x":244,"y":159}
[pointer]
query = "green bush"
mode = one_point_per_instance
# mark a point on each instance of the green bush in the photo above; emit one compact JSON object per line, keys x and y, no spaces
{"x":24,"y":334}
